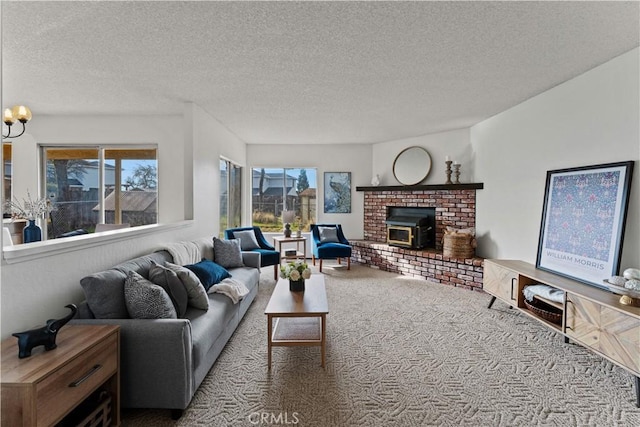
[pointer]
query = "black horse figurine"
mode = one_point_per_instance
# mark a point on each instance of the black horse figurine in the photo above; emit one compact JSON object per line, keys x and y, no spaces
{"x":45,"y":335}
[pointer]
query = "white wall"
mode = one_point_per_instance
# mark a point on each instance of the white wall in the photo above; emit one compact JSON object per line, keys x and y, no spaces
{"x":354,"y":158}
{"x":211,"y":141}
{"x":439,"y":145}
{"x":591,"y":119}
{"x":38,"y":289}
{"x":112,"y":130}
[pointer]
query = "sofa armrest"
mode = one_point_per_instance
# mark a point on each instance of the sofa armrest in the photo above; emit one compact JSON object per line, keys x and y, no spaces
{"x":156,"y":361}
{"x":251,"y":259}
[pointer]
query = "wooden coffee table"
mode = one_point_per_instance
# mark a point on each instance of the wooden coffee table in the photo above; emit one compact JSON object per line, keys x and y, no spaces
{"x":300,"y":317}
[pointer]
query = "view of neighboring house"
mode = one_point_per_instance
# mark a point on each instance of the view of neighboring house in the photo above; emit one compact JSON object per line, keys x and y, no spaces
{"x":80,"y":209}
{"x":137,"y":207}
{"x":269,"y":196}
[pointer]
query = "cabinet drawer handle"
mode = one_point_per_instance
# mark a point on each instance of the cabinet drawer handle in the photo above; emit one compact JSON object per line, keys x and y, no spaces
{"x":86,"y":376}
{"x":513,"y":282}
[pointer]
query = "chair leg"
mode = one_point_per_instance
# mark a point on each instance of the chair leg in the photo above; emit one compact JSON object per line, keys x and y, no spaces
{"x":339,"y":260}
{"x":348,"y":263}
{"x":313,"y":259}
{"x":320,"y":265}
{"x":275,"y":272}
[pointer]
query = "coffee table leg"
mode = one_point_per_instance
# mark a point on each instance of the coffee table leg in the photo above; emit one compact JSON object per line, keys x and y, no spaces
{"x":269,"y":327}
{"x":323,"y":343}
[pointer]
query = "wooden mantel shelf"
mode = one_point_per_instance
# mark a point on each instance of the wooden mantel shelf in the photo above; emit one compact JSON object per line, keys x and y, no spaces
{"x":471,"y":186}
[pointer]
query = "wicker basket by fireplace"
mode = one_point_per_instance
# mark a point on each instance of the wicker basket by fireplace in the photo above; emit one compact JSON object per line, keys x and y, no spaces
{"x":458,"y":245}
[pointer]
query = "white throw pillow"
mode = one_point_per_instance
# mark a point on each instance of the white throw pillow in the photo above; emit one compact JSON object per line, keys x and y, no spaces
{"x":197,"y":295}
{"x":247,"y":239}
{"x":328,"y":234}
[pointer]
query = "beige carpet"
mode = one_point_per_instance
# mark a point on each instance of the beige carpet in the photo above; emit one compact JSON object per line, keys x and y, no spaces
{"x":406,"y":352}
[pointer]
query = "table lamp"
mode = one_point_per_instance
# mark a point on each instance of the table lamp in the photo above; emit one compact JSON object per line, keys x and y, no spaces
{"x":287,"y":219}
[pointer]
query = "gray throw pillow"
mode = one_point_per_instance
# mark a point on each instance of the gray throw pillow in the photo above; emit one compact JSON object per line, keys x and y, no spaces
{"x":168,"y":280}
{"x":197,"y":295}
{"x":328,"y":234}
{"x":104,"y":292}
{"x":146,"y":300}
{"x":247,"y":239}
{"x":227,"y":253}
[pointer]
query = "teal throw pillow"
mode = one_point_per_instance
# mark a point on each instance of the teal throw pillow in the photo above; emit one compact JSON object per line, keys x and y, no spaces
{"x":209,"y":273}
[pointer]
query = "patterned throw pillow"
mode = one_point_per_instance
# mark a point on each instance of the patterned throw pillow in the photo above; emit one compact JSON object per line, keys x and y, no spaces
{"x":247,"y":239}
{"x":227,"y":253}
{"x":171,"y":283}
{"x":328,"y":234}
{"x":146,"y":300}
{"x":195,"y":291}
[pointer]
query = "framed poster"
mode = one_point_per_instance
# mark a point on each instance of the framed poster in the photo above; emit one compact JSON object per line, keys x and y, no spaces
{"x":583,"y":221}
{"x":337,"y":192}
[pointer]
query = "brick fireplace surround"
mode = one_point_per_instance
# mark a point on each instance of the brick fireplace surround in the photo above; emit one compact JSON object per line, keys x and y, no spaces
{"x":455,"y":206}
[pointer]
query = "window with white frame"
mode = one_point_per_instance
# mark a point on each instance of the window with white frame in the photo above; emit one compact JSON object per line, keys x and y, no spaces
{"x":91,"y":186}
{"x":230,"y":195}
{"x":275,"y":190}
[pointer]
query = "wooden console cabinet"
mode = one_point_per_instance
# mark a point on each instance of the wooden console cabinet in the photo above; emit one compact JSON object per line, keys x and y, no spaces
{"x":591,"y":317}
{"x":42,"y":389}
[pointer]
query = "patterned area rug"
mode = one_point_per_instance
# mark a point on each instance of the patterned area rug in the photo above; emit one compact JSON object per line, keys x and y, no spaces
{"x":406,"y":352}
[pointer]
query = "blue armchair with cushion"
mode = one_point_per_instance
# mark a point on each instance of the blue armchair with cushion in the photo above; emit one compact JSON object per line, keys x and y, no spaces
{"x":252,"y":239}
{"x":328,"y":242}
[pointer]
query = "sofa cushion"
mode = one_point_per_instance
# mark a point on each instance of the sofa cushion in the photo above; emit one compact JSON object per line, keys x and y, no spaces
{"x":141,"y":265}
{"x":146,"y":300}
{"x":207,"y":326}
{"x":205,"y":244}
{"x":247,"y":239}
{"x":168,"y":280}
{"x":249,"y":276}
{"x":104,"y":292}
{"x":209,"y":272}
{"x":227,"y":253}
{"x":197,"y":295}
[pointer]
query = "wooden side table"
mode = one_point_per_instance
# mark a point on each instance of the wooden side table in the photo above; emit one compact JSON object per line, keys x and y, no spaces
{"x":279,"y":240}
{"x":42,"y":389}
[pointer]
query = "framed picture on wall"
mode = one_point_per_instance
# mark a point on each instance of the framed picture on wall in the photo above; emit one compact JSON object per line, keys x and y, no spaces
{"x":337,"y":192}
{"x":583,"y":221}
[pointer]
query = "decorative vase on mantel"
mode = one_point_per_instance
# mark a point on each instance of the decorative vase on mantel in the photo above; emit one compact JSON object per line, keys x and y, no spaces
{"x":296,"y":285}
{"x":31,"y":232}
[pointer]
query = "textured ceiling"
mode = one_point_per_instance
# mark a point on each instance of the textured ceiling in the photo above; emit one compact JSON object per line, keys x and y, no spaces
{"x":305,"y":72}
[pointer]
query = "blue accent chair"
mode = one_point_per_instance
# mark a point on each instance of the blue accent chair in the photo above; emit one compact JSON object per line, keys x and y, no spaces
{"x":268,"y":254}
{"x":329,"y":250}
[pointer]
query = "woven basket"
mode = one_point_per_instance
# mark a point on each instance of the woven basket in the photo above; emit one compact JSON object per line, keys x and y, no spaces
{"x":545,"y":311}
{"x":458,"y":245}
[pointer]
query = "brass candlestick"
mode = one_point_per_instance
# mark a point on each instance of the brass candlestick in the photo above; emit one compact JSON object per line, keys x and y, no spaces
{"x":448,"y":162}
{"x":456,"y":172}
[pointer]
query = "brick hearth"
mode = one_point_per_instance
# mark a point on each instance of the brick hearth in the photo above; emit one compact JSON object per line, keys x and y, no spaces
{"x":454,"y":207}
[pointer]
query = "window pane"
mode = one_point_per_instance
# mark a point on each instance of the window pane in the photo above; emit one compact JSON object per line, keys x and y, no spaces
{"x":129,"y":196}
{"x":6,"y":158}
{"x":274,"y":190}
{"x":131,"y":187}
{"x":224,"y":196}
{"x":72,"y":185}
{"x":235,"y":195}
{"x":230,"y":195}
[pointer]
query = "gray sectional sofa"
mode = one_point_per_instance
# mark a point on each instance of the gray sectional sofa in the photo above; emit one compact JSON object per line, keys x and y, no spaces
{"x":164,"y":361}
